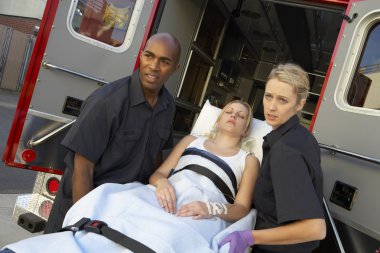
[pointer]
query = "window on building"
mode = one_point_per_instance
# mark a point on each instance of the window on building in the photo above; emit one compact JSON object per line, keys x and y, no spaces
{"x":364,"y":90}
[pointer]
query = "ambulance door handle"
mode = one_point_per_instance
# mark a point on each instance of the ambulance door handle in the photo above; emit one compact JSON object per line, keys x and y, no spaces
{"x":32,"y":143}
{"x":47,"y":65}
{"x":335,"y":149}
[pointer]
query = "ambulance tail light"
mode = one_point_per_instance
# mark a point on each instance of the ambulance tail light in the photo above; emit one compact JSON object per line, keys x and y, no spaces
{"x":52,"y":185}
{"x":45,"y":208}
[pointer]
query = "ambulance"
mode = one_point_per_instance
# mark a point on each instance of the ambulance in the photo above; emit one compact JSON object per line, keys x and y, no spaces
{"x":228,"y":49}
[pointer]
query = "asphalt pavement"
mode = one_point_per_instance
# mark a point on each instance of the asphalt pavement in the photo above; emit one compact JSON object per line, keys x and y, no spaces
{"x":13,"y":182}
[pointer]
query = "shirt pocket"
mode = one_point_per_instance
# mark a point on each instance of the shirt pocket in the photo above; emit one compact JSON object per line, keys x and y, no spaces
{"x":124,"y":142}
{"x":128,"y":135}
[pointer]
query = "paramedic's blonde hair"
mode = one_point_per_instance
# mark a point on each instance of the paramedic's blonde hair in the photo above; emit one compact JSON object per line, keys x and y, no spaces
{"x":294,"y":75}
{"x":249,"y":117}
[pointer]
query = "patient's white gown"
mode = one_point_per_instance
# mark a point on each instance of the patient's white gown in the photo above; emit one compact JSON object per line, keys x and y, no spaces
{"x":134,"y":210}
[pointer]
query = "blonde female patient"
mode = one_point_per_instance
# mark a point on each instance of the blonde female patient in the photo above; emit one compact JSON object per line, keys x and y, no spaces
{"x":203,"y":189}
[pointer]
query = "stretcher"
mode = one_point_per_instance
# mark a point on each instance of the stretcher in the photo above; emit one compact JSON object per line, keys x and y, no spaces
{"x":133,"y":210}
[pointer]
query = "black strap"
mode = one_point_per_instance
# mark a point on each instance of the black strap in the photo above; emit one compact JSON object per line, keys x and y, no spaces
{"x":215,"y":159}
{"x":101,"y":228}
{"x":222,"y":186}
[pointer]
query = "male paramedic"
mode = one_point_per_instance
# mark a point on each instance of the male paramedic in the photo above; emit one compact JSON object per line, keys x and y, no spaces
{"x":121,"y":130}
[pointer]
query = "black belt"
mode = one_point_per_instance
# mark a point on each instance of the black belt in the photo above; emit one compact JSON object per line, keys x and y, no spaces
{"x":222,"y":186}
{"x":101,"y":228}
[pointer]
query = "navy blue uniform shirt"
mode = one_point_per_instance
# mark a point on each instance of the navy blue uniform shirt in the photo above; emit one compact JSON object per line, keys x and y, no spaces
{"x":290,"y":184}
{"x":120,"y":133}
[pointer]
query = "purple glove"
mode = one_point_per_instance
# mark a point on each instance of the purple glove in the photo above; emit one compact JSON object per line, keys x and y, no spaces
{"x":239,"y":241}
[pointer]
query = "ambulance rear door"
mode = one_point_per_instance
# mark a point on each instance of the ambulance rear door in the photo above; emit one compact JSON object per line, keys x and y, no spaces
{"x":347,"y":127}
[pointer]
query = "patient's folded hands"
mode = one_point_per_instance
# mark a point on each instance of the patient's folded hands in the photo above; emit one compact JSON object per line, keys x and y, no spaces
{"x":166,"y":195}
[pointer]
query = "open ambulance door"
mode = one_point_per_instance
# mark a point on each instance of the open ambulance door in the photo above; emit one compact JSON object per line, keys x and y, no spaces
{"x":80,"y":46}
{"x":346,"y":125}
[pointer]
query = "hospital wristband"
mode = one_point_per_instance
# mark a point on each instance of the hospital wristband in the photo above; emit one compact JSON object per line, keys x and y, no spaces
{"x":215,"y":208}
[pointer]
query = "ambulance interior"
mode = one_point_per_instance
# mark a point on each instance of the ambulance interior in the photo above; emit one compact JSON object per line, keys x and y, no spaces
{"x":242,"y":40}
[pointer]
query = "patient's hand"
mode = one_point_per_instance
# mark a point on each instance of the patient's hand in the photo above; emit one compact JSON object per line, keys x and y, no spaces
{"x":197,"y":209}
{"x":166,"y":196}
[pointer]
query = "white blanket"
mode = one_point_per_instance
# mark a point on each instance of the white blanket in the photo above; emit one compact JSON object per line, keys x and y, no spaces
{"x":133,"y":210}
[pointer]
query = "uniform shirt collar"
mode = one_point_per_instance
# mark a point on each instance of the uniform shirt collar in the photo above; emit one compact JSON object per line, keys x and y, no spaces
{"x":137,"y":95}
{"x":274,"y":135}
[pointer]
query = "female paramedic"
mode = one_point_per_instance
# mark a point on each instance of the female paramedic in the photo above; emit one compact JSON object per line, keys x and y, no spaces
{"x":288,"y":192}
{"x":207,"y":196}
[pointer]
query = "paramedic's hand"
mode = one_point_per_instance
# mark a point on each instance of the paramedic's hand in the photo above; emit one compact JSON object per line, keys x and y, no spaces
{"x":166,"y":196}
{"x":197,"y":210}
{"x":239,"y":241}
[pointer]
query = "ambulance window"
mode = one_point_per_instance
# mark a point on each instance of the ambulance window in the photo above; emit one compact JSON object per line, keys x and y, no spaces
{"x":364,"y":90}
{"x":106,"y":21}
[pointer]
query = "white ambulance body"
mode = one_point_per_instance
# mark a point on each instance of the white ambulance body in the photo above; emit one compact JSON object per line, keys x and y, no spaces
{"x":228,"y":48}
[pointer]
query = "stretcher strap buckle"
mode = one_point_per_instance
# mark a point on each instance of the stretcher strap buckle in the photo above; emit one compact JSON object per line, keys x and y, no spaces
{"x":78,"y":226}
{"x":101,"y":228}
{"x":94,"y":226}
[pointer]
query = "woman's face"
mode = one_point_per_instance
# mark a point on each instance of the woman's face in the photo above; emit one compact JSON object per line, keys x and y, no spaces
{"x":234,"y":119}
{"x":280,"y":102}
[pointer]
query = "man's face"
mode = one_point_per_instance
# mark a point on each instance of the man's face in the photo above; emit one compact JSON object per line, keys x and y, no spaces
{"x":280,"y":102}
{"x":158,"y":61}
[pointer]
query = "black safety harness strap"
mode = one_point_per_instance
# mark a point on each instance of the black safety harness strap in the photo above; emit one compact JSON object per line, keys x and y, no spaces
{"x":101,"y":228}
{"x":222,"y":186}
{"x":215,"y":159}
